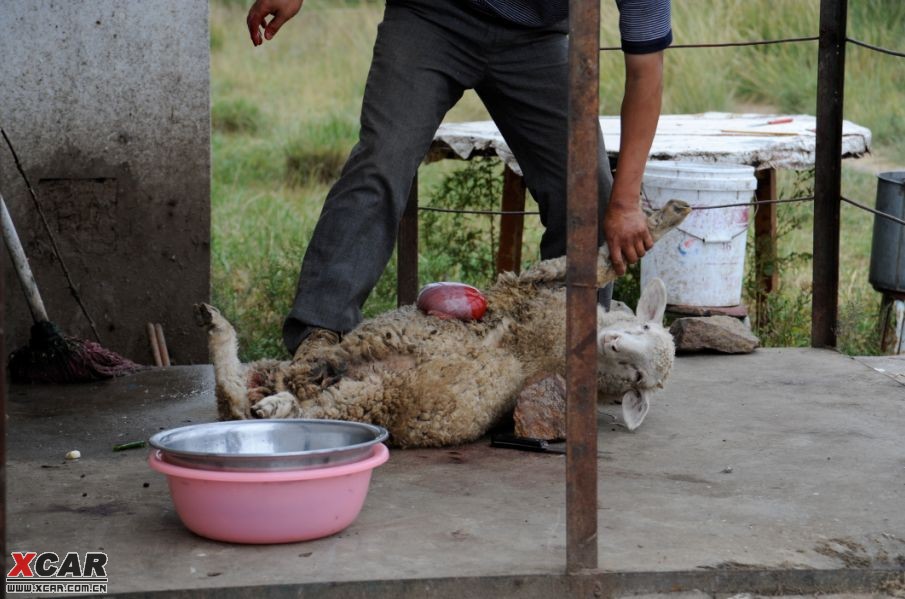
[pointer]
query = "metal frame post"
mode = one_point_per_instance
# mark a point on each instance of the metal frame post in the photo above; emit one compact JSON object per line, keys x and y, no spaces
{"x":581,"y":281}
{"x":828,"y":171}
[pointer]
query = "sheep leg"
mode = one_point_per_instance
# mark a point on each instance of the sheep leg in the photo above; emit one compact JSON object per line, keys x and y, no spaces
{"x":280,"y":405}
{"x":359,"y":401}
{"x":659,"y":223}
{"x":229,"y":373}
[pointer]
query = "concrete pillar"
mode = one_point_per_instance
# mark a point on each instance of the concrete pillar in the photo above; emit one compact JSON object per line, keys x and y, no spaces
{"x":107,"y":104}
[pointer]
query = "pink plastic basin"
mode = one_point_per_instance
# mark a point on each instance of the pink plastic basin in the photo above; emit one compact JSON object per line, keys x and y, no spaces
{"x":269,"y":507}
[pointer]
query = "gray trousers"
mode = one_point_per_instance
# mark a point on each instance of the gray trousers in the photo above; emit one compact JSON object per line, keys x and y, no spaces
{"x":427,"y":53}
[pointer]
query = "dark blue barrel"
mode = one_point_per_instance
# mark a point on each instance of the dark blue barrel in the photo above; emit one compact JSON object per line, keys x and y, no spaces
{"x":887,"y":255}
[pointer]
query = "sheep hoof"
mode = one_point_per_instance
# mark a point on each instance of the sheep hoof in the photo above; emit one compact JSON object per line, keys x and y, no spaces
{"x":280,"y":405}
{"x":326,"y":373}
{"x":206,"y":315}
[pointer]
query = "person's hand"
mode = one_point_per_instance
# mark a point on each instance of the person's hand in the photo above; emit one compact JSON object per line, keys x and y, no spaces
{"x":624,"y":225}
{"x":626,"y":232}
{"x":282,"y":11}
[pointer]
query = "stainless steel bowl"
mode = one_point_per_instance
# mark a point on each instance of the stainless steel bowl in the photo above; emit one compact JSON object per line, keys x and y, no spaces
{"x":255,"y":445}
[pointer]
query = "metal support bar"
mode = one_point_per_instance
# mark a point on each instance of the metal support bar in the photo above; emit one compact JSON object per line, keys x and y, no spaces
{"x":765,"y":241}
{"x":509,"y":254}
{"x":407,"y":251}
{"x":3,"y":502}
{"x":828,"y":171}
{"x":581,"y":294}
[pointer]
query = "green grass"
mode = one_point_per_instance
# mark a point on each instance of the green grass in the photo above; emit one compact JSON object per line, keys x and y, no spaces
{"x":285,"y":117}
{"x":235,"y":116}
{"x":317,"y":153}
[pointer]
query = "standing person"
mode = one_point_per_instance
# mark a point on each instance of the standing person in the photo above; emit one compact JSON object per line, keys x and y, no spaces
{"x":514,"y":54}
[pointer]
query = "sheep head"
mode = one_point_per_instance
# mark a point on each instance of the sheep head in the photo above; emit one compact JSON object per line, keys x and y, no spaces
{"x":635,"y":354}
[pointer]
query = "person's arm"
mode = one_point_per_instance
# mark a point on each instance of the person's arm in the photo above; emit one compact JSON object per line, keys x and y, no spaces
{"x":625,"y":226}
{"x":282,"y":11}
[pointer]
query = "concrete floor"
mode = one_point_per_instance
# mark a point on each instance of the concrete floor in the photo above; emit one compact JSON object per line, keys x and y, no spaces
{"x":773,"y":472}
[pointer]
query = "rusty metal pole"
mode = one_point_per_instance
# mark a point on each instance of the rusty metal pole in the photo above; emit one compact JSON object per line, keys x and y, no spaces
{"x":581,"y":281}
{"x":828,"y":171}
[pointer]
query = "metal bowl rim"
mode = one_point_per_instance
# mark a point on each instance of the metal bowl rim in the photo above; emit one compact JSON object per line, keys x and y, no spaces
{"x":381,"y":434}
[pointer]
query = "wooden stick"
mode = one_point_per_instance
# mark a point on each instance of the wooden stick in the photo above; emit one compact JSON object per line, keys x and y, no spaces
{"x":20,"y":262}
{"x":162,"y":345}
{"x":155,"y":348}
{"x":759,"y":133}
{"x":53,"y":239}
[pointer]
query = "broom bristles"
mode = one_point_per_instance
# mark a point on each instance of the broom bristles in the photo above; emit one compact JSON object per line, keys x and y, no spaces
{"x":51,"y":357}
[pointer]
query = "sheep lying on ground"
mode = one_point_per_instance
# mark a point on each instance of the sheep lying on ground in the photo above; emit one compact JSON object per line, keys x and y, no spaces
{"x":434,"y":382}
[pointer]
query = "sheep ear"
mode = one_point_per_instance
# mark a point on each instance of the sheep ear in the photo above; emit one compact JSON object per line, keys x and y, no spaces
{"x":621,"y":307}
{"x":652,"y":304}
{"x":635,"y":405}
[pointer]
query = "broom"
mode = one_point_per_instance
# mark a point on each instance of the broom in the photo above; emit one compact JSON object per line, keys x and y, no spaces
{"x":51,"y":356}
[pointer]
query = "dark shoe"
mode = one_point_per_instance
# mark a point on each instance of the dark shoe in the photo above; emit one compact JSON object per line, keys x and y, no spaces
{"x":318,"y":338}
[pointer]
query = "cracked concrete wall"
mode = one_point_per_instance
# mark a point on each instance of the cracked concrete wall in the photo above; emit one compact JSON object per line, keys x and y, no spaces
{"x":107,"y":104}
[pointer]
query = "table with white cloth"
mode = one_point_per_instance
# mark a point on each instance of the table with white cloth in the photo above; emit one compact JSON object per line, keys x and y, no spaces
{"x":765,"y":142}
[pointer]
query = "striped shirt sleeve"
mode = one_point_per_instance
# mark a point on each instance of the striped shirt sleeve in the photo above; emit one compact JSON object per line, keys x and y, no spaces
{"x":644,"y":25}
{"x":529,"y":13}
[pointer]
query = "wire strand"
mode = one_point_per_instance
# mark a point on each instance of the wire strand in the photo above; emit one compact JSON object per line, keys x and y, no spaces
{"x":529,"y":213}
{"x":869,"y":209}
{"x":875,"y":48}
{"x":754,"y":204}
{"x":788,"y":40}
{"x":487,"y":212}
{"x":758,"y":203}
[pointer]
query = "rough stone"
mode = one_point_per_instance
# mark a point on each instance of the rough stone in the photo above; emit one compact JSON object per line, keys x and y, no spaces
{"x":719,"y":333}
{"x":540,"y":412}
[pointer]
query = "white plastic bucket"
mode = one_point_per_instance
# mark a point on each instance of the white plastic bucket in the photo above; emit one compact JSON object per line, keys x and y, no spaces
{"x":702,"y":261}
